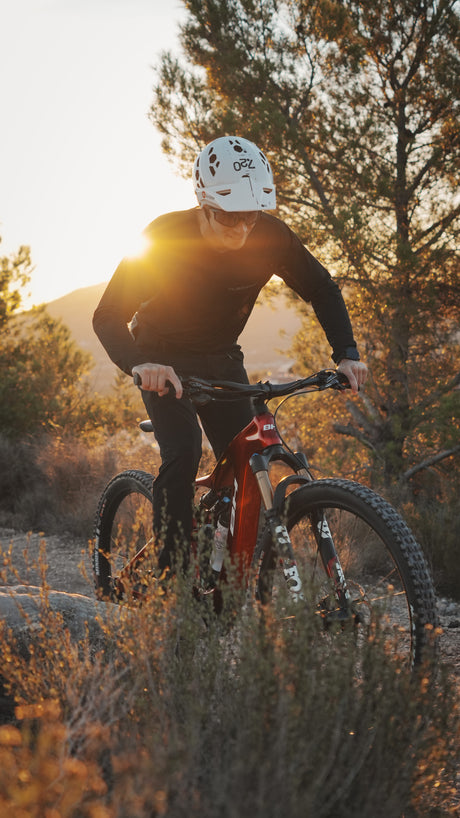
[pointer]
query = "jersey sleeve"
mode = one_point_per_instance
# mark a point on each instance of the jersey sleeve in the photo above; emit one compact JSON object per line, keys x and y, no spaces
{"x":122,"y":297}
{"x":304,"y":274}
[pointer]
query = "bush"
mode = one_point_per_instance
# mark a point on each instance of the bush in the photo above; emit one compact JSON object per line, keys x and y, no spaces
{"x":23,"y":484}
{"x":435,"y":524}
{"x":53,"y":483}
{"x":252,"y":717}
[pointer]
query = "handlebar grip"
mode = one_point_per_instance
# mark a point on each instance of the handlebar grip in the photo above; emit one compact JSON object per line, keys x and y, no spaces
{"x":342,"y":378}
{"x":344,"y":382}
{"x":138,"y":382}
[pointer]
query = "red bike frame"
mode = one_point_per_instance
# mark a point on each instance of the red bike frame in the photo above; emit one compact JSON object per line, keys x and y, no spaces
{"x":234,"y":471}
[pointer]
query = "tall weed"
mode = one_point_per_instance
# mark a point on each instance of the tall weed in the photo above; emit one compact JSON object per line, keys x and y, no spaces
{"x":182,"y":713}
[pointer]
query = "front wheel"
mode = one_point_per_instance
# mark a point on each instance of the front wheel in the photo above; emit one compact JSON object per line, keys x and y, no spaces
{"x":124,"y":523}
{"x":380,"y":578}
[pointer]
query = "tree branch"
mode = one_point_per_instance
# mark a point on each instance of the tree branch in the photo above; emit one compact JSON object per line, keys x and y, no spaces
{"x":437,"y":229}
{"x":359,"y":417}
{"x":352,"y":431}
{"x":430,"y":461}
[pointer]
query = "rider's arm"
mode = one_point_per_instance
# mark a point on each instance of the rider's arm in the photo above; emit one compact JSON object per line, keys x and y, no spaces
{"x":110,"y":324}
{"x":303,"y":273}
{"x":130,"y":286}
{"x":118,"y":304}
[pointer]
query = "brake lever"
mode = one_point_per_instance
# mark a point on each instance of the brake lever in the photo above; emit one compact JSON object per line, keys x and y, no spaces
{"x":197,"y":396}
{"x":343,"y":382}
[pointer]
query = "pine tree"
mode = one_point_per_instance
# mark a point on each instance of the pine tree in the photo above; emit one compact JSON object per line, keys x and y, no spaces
{"x":357,"y":106}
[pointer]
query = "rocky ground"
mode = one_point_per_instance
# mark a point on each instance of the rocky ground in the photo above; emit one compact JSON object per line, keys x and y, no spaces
{"x":69,"y":569}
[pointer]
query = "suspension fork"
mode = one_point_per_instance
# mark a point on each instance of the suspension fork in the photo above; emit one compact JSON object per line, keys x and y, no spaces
{"x":272,"y":501}
{"x":279,"y":533}
{"x":331,"y":563}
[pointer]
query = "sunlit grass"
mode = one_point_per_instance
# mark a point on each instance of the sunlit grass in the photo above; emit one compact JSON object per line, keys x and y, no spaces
{"x":174,"y":711}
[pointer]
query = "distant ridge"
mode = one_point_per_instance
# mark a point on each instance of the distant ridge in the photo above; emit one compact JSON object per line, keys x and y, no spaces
{"x":261,"y":339}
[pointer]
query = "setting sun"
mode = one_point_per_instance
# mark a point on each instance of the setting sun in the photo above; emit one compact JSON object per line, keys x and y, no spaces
{"x":82,"y":172}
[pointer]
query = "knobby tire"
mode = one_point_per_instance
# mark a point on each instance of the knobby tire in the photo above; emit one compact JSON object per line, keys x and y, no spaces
{"x":383,"y":564}
{"x":124,"y":521}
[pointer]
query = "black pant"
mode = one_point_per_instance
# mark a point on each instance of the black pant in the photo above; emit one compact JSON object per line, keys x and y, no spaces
{"x":179,"y":437}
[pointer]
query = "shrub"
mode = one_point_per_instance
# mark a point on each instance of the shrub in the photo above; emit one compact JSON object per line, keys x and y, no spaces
{"x":21,"y":479}
{"x":182,"y":714}
{"x":435,"y":524}
{"x":53,"y":483}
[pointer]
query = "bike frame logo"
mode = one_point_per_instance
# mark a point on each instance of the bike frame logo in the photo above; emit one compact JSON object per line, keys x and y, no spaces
{"x":233,"y":511}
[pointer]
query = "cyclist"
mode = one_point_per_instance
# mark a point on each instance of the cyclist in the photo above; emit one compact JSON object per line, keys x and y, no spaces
{"x":181,"y":307}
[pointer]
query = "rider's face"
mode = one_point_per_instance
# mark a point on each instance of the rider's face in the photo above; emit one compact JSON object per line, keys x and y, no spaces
{"x":229,"y":238}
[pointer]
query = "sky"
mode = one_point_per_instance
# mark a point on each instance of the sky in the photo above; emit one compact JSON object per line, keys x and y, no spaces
{"x":81,"y":168}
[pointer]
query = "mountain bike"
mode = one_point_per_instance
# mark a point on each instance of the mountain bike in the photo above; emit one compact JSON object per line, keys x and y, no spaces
{"x":332,"y":546}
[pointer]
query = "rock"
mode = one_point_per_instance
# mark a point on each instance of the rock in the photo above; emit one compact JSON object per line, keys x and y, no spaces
{"x":21,"y":611}
{"x":21,"y":608}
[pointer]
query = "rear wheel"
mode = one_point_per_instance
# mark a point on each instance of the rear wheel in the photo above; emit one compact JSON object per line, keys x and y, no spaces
{"x":380,"y":565}
{"x":124,"y":524}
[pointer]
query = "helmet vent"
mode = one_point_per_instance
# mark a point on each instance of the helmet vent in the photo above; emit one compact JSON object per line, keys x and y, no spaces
{"x":213,"y":162}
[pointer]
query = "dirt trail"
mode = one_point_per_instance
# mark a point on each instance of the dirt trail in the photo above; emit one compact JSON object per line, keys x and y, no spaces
{"x":67,"y":560}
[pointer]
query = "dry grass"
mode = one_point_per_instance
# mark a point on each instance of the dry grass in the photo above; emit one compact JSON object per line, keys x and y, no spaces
{"x":52,"y":484}
{"x":241,"y":716}
{"x":174,"y":717}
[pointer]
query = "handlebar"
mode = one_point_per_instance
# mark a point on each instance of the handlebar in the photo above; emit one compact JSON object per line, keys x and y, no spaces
{"x":201,"y":391}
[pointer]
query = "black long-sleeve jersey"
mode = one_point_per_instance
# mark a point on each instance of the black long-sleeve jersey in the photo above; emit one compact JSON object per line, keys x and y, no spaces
{"x":191,"y":299}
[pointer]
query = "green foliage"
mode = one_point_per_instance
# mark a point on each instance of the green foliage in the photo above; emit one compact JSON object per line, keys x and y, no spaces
{"x":40,"y":371}
{"x":14,"y":275}
{"x":55,"y":453}
{"x":356,"y":105}
{"x":41,"y":368}
{"x":43,"y":383}
{"x":433,"y":513}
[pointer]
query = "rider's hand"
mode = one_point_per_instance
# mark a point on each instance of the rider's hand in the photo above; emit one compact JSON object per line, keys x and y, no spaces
{"x":155,"y":376}
{"x":356,"y":372}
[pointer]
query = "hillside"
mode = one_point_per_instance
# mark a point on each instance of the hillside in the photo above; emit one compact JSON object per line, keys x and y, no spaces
{"x":262,"y":341}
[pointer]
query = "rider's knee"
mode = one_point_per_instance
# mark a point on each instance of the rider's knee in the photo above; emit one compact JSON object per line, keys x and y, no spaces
{"x":184,"y":460}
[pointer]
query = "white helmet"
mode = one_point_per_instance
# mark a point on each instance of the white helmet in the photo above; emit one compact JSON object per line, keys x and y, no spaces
{"x":231,"y":173}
